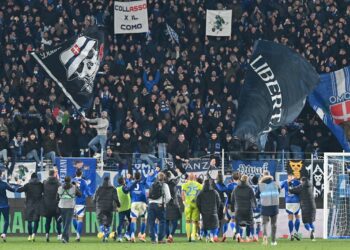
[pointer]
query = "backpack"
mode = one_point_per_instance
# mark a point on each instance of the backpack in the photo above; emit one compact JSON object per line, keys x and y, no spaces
{"x":156,"y":190}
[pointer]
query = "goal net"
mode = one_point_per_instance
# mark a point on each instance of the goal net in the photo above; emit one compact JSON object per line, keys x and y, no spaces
{"x":336,"y":196}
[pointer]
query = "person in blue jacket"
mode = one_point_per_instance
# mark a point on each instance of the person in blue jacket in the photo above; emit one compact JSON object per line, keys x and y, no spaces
{"x":4,"y":205}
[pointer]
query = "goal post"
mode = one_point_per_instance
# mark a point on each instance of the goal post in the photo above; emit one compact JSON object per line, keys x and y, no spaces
{"x":336,"y":196}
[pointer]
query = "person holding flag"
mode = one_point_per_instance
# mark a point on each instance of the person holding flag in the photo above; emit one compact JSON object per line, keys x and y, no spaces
{"x":101,"y":125}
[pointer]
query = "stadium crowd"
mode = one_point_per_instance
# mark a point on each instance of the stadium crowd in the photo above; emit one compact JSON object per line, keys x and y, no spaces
{"x":152,"y":87}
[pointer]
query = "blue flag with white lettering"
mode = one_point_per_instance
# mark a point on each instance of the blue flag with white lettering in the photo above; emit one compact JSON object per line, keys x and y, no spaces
{"x":331,"y":101}
{"x":275,"y":88}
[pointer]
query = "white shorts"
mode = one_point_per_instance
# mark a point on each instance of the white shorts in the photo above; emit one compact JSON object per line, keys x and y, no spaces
{"x":229,"y":214}
{"x":293,"y":208}
{"x":138,"y":209}
{"x":79,"y":210}
{"x":257,"y":217}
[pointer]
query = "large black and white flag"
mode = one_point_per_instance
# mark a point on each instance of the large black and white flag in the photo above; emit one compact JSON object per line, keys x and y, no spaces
{"x":275,"y":88}
{"x":73,"y":65}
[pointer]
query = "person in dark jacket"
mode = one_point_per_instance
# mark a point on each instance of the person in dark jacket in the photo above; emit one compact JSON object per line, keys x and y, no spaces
{"x":32,"y":148}
{"x":179,"y":151}
{"x":106,"y":201}
{"x":125,"y":149}
{"x":34,"y":194}
{"x":50,"y":146}
{"x":214,"y":145}
{"x":4,"y":205}
{"x":243,"y":200}
{"x":199,"y":143}
{"x":4,"y":145}
{"x":145,"y":146}
{"x":83,"y":142}
{"x":208,"y":202}
{"x":307,"y":204}
{"x":173,"y":212}
{"x":268,"y":192}
{"x":282,"y":144}
{"x":50,"y":199}
{"x":67,"y":142}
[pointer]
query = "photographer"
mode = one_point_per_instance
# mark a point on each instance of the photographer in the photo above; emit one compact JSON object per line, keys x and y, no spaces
{"x":67,"y":194}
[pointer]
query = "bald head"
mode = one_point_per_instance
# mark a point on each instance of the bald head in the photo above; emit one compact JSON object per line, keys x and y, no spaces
{"x":191,"y":177}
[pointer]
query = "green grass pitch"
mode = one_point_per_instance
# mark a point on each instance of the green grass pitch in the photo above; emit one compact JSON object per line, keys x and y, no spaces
{"x":93,"y":243}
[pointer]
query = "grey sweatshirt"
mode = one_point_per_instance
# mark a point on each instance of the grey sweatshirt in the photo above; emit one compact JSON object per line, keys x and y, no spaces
{"x":101,"y":126}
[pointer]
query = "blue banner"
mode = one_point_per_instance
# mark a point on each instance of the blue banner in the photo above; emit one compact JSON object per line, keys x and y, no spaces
{"x":68,"y":166}
{"x":252,"y":168}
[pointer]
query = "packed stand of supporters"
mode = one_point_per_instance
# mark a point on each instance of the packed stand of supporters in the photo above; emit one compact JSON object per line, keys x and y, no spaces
{"x":153,"y":88}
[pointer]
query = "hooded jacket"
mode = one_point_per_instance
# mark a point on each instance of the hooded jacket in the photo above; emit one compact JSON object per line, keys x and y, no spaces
{"x":106,"y":197}
{"x":307,"y":200}
{"x":208,"y":202}
{"x":50,"y":196}
{"x":243,"y":200}
{"x":34,"y":193}
{"x":272,"y":191}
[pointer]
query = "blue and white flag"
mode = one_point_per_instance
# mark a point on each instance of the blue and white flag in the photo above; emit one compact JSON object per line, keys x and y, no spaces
{"x":331,"y":101}
{"x":173,"y":36}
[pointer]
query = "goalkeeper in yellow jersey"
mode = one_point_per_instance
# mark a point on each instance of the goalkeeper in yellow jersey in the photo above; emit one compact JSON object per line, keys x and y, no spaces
{"x":189,"y":193}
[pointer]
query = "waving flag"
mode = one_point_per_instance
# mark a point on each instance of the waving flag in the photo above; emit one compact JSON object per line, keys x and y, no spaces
{"x":331,"y":101}
{"x":274,"y":91}
{"x":173,"y":36}
{"x":73,"y":65}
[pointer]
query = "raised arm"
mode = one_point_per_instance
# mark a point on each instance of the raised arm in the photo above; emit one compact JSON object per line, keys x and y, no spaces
{"x":296,"y":190}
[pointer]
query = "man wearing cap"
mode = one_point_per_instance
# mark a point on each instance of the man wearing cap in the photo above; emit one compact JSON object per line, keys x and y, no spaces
{"x":101,"y":126}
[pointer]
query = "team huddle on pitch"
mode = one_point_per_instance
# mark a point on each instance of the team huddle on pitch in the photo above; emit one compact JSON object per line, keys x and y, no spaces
{"x":243,"y":208}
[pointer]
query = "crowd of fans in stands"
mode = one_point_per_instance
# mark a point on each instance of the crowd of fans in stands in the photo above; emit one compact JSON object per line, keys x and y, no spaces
{"x":154,"y":88}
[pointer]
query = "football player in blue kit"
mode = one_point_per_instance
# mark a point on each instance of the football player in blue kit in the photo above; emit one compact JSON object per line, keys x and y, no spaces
{"x":292,"y":206}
